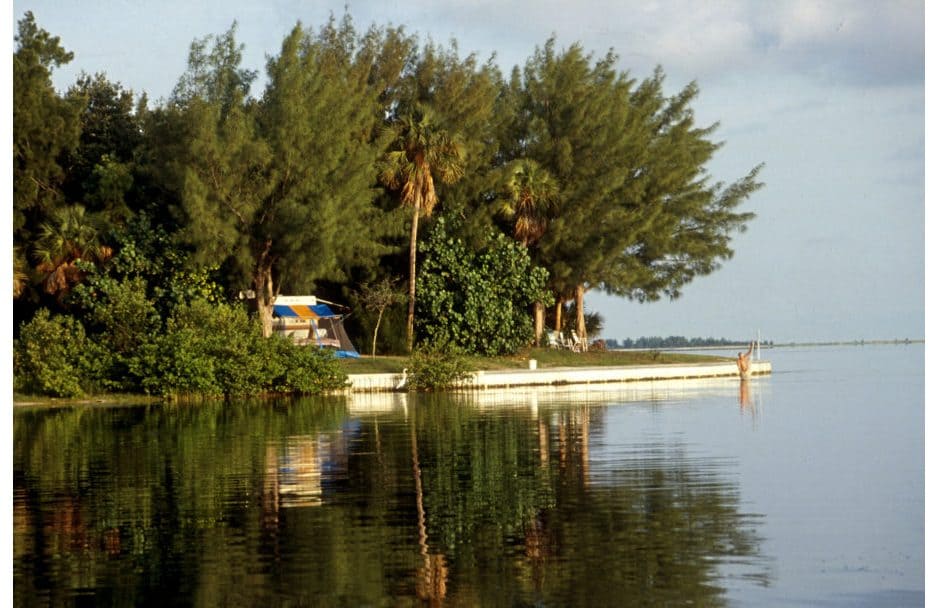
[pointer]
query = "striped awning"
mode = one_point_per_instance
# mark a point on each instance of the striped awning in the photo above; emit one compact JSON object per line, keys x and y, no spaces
{"x":303,"y":311}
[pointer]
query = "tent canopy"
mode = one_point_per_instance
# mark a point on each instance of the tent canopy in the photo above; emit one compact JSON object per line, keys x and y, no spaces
{"x":326,"y":326}
{"x":303,"y":311}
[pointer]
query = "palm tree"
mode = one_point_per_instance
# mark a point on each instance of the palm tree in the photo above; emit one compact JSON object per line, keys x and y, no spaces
{"x":421,"y":151}
{"x":71,"y":235}
{"x":529,"y":195}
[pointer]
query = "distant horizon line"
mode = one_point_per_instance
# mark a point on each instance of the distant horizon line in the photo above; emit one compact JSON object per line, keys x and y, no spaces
{"x":772,"y":343}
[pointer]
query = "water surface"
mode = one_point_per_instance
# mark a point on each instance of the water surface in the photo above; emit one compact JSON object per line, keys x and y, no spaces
{"x":802,"y":488}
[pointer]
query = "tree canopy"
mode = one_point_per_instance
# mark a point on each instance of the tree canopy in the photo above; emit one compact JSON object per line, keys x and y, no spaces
{"x":636,"y":214}
{"x":281,"y":188}
{"x":45,"y":126}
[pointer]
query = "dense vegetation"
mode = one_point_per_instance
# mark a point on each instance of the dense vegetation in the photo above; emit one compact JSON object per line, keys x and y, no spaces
{"x":137,"y":227}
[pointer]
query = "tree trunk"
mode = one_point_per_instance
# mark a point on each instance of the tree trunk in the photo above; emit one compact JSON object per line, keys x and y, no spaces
{"x":264,"y":291}
{"x":375,"y":334}
{"x":582,"y":327}
{"x":559,"y":306}
{"x":412,"y":267}
{"x":538,"y":312}
{"x":265,"y":304}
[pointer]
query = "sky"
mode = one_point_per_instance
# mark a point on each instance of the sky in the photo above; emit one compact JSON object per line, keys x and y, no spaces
{"x":829,"y":95}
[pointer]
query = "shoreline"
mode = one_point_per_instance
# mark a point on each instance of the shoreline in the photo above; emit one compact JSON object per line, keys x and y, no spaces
{"x":565,"y":376}
{"x":479,"y":380}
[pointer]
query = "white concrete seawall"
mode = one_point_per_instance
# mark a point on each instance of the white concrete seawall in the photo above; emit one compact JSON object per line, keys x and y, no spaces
{"x":569,"y":375}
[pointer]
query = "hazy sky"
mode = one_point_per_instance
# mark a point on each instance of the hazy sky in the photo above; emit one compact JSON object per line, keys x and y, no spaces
{"x":829,"y":94}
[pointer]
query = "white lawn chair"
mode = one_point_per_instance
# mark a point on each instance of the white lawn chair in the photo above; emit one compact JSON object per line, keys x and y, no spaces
{"x":577,"y":344}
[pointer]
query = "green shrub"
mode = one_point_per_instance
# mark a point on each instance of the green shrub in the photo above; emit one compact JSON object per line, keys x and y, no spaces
{"x":302,"y":370}
{"x":121,"y":319}
{"x":477,"y":299}
{"x":438,"y":368}
{"x":217,"y":350}
{"x":54,"y":357}
{"x":120,"y":310}
{"x":207,"y":349}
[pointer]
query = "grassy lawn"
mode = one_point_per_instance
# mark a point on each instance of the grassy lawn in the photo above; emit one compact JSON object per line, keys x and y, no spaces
{"x":546,"y":357}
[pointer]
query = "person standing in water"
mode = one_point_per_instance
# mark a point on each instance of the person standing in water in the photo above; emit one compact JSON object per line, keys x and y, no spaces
{"x":744,"y":362}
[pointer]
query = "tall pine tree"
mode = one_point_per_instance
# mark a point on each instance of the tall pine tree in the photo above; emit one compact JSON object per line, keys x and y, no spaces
{"x":45,"y":126}
{"x":636,"y":214}
{"x":281,"y":188}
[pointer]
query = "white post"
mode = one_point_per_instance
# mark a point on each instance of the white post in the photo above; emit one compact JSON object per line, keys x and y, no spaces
{"x":758,"y":345}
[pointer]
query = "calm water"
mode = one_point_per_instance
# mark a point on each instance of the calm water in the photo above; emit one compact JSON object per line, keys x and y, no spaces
{"x":805,"y":488}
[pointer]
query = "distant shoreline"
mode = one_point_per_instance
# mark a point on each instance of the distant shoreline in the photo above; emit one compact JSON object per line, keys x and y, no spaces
{"x":853,"y":343}
{"x":895,"y":342}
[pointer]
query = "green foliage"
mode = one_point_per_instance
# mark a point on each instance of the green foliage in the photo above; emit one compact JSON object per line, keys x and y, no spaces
{"x":67,"y":239}
{"x":301,"y":370}
{"x":477,"y":301}
{"x":21,"y":273}
{"x":280,"y":189}
{"x":216,"y":350}
{"x":318,"y":116}
{"x":112,"y":180}
{"x":636,"y":214}
{"x":123,"y":302}
{"x":376,"y":297}
{"x":204,"y":348}
{"x":461,"y":94}
{"x":122,"y":320}
{"x":214,"y":72}
{"x":145,"y":250}
{"x":44,"y":126}
{"x":208,"y":350}
{"x":436,"y":367}
{"x":527,"y":196}
{"x":54,"y":357}
{"x":101,"y":167}
{"x":423,"y":150}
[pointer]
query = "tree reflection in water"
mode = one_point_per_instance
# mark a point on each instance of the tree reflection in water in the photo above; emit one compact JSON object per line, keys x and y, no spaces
{"x":432,"y":576}
{"x":302,"y":502}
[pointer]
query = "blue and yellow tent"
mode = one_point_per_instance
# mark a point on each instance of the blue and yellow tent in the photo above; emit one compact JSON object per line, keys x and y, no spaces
{"x":311,"y":321}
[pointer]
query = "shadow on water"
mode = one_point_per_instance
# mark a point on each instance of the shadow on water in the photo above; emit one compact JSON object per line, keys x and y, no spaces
{"x":401,"y":499}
